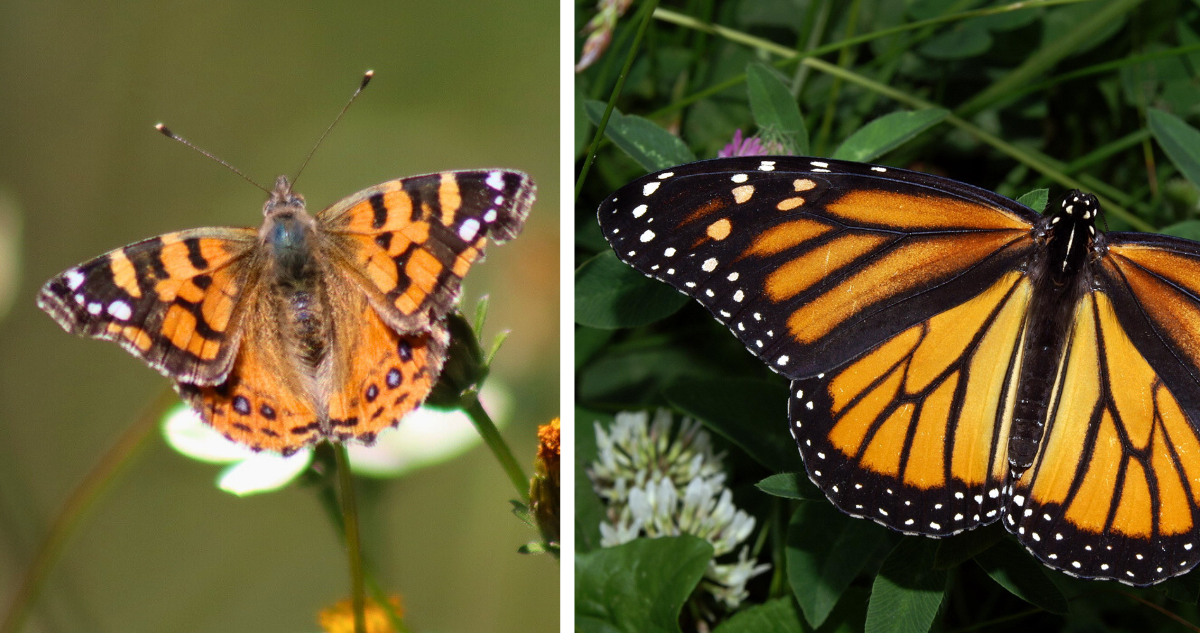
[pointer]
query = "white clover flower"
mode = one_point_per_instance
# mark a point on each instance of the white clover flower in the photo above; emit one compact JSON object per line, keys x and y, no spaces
{"x":639,"y":472}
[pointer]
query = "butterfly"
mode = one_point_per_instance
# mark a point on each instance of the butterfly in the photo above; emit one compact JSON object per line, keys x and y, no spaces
{"x":327,"y":326}
{"x":956,"y":358}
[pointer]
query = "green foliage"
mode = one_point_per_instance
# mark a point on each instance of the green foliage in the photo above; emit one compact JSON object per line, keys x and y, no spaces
{"x":638,"y":587}
{"x":609,"y":294}
{"x":1100,"y":96}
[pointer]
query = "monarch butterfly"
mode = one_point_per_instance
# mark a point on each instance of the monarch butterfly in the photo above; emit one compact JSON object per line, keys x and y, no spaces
{"x":956,"y":358}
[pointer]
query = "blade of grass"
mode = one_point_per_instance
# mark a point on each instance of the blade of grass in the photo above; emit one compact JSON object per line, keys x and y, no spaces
{"x":648,"y":12}
{"x":1059,"y":47}
{"x":791,"y":56}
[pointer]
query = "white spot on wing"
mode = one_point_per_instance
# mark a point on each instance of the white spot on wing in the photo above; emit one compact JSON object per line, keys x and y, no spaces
{"x":468,"y":230}
{"x":650,"y":188}
{"x":639,"y":211}
{"x":74,"y":279}
{"x":495,"y":180}
{"x":120,"y":310}
{"x":709,"y":265}
{"x":647,"y":236}
{"x":739,"y":178}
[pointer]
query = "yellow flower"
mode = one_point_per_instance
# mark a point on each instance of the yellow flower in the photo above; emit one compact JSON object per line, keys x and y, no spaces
{"x":543,"y":489}
{"x":340,"y":617}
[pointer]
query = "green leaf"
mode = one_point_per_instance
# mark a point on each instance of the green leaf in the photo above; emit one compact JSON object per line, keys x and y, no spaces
{"x":1188,"y":229}
{"x":776,"y":616}
{"x":1180,"y":142}
{"x":825,"y":551}
{"x":588,"y":341}
{"x":887,"y":133}
{"x":635,"y":375}
{"x":908,"y":590}
{"x":962,"y":40}
{"x":1036,"y":199}
{"x":639,"y":586}
{"x":610,"y":295}
{"x":791,"y":486}
{"x":775,"y":108}
{"x":750,"y":413}
{"x":651,"y":146}
{"x":961,"y":548}
{"x":589,"y":510}
{"x":1014,"y":569}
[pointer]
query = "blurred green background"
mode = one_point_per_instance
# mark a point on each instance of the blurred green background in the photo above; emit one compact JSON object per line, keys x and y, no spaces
{"x":457,"y":85}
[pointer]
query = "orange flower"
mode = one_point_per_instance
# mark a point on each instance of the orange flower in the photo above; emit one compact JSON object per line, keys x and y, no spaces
{"x":340,"y":617}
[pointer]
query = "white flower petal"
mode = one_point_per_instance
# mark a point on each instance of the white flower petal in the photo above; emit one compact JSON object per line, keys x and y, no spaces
{"x":263,"y":472}
{"x":187,"y":433}
{"x":426,"y":437}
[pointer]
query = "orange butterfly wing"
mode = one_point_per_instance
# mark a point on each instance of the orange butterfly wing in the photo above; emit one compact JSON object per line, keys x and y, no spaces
{"x":390,"y":375}
{"x":169,"y":300}
{"x":409,"y":242}
{"x":913,"y":434}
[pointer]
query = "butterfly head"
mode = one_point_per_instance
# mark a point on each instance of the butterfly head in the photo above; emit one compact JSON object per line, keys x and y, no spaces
{"x":1072,"y":230}
{"x":287,"y":230}
{"x":283,"y":199}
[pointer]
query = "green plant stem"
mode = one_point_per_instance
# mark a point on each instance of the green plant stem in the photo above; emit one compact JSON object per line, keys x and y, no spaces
{"x":612,"y":100}
{"x":491,"y":436}
{"x":76,"y":508}
{"x":328,"y":498}
{"x":353,"y":546}
{"x":845,"y":58}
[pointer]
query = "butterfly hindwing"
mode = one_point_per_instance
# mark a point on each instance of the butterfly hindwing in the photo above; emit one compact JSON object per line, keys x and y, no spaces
{"x":811,"y":262}
{"x":1114,"y":492}
{"x":384,"y":373}
{"x":913,"y":433}
{"x":410,"y":241}
{"x":170,"y":300}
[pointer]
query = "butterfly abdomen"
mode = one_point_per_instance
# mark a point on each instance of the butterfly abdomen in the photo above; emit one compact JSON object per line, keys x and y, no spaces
{"x":1060,"y":280}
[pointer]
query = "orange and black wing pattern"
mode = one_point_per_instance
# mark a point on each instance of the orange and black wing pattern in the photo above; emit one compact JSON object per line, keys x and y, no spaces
{"x":913,"y":434}
{"x":956,"y":358}
{"x":1115,"y":491}
{"x":382,"y":374}
{"x":170,"y":300}
{"x":810,"y":262}
{"x":411,"y":241}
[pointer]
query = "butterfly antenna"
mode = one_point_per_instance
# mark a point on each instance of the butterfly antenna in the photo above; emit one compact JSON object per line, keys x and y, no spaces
{"x":175,"y":137}
{"x":363,"y":84}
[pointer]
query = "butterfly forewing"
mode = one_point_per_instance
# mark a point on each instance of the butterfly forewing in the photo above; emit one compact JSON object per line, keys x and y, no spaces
{"x":169,"y":300}
{"x":812,"y":262}
{"x":410,"y":241}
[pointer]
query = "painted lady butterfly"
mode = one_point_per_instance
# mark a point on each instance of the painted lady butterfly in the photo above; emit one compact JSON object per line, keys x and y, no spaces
{"x":311,"y":327}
